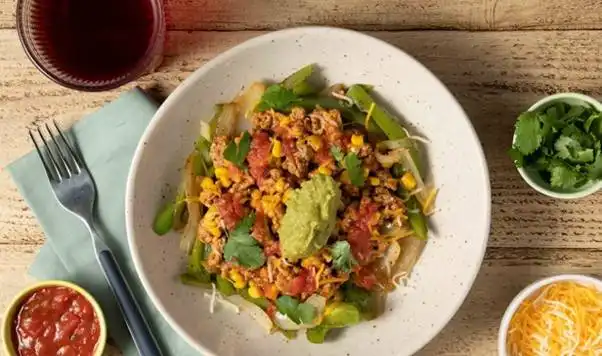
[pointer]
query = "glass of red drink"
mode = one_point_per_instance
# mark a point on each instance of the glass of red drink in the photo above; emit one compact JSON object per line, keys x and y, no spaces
{"x":92,"y":45}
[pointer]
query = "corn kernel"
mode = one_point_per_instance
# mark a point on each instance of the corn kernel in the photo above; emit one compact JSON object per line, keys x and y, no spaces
{"x":270,"y":291}
{"x":325,"y":170}
{"x":254,"y":292}
{"x":207,"y":184}
{"x":225,"y":181}
{"x":284,"y":120}
{"x":280,"y":185}
{"x":286,"y":196}
{"x":238,"y":281}
{"x":221,"y":172}
{"x":408,"y":181}
{"x":315,"y":142}
{"x":374,"y":181}
{"x":277,"y":148}
{"x":357,"y":140}
{"x":366,"y":172}
{"x":310,"y":261}
{"x":345,"y":177}
{"x":215,"y":231}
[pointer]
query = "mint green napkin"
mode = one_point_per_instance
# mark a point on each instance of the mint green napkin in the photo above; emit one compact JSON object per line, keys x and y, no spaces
{"x":107,"y":140}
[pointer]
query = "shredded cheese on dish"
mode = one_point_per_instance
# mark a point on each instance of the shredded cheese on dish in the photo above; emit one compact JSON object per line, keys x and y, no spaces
{"x":565,"y":318}
{"x":216,"y":297}
{"x":369,"y":115}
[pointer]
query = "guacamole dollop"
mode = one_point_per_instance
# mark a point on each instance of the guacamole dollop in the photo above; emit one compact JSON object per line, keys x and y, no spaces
{"x":310,"y":217}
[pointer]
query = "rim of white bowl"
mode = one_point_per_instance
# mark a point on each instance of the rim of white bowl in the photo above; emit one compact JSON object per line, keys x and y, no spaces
{"x":595,"y":186}
{"x":527,"y":292}
{"x":188,"y":82}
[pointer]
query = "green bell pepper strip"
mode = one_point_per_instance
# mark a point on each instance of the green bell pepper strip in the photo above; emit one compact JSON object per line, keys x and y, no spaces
{"x":417,"y":219}
{"x":224,"y":286}
{"x":188,"y":279}
{"x":297,"y":82}
{"x":387,"y":123}
{"x":195,"y":268}
{"x":164,"y":219}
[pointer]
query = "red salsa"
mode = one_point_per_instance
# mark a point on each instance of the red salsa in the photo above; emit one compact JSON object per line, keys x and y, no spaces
{"x":56,"y":321}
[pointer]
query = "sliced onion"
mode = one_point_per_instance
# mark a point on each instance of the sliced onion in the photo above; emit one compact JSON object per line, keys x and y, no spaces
{"x":256,"y":312}
{"x":389,"y":159}
{"x":405,"y":143}
{"x":226,"y":121}
{"x":391,"y":256}
{"x":248,"y":100}
{"x":411,"y":248}
{"x":285,"y":323}
{"x":318,"y":301}
{"x":193,"y":207}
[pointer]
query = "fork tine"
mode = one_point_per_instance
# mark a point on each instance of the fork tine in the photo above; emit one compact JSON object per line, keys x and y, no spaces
{"x":75,"y":158}
{"x":66,"y":158}
{"x":55,"y":162}
{"x":50,"y":172}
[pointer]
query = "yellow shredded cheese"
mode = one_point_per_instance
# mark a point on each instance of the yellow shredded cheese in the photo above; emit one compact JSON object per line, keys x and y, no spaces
{"x":564,"y":318}
{"x":369,"y":115}
{"x":333,"y":280}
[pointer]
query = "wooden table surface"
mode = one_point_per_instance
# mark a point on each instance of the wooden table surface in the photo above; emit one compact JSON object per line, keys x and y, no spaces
{"x":496,"y":56}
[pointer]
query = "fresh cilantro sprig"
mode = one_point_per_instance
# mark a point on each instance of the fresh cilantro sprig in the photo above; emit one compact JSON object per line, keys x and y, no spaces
{"x":562,"y":143}
{"x":354,"y":166}
{"x":342,"y":258}
{"x":351,"y":163}
{"x":241,"y":247}
{"x":337,"y":153}
{"x":237,"y":153}
{"x":300,"y":313}
{"x":276,"y":97}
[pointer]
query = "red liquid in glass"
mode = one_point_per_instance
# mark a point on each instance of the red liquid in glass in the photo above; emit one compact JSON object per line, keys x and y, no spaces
{"x":95,"y":39}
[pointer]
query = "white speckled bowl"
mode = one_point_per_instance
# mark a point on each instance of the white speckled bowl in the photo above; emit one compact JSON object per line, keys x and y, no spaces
{"x":527,"y":292}
{"x":533,"y":178}
{"x":450,"y":262}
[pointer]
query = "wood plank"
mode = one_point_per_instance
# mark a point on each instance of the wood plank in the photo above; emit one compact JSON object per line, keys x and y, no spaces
{"x":494,"y":75}
{"x":473,"y":330}
{"x":371,"y":15}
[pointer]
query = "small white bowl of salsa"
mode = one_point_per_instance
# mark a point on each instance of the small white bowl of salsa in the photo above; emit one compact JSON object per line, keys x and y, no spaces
{"x":54,"y":318}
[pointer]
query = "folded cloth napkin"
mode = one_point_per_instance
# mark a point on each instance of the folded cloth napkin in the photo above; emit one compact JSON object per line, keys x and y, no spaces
{"x":107,"y":140}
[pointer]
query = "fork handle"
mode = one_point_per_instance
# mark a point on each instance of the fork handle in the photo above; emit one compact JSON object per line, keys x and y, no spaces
{"x":143,"y":338}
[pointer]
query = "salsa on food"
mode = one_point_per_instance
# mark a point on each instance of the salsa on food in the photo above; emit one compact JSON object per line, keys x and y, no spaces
{"x":56,"y":321}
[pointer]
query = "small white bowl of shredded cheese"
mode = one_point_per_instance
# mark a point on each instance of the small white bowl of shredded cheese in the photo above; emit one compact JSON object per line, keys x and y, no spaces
{"x":559,"y":315}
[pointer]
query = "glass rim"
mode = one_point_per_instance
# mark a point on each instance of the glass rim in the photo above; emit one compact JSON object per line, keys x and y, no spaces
{"x":141,"y":67}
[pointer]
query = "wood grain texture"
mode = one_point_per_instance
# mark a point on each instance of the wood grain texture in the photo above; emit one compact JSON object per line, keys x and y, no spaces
{"x":472,"y":331}
{"x":494,"y":75}
{"x":371,"y":15}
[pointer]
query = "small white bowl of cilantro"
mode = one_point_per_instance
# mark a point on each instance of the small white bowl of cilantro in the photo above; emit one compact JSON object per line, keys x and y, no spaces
{"x":557,"y":146}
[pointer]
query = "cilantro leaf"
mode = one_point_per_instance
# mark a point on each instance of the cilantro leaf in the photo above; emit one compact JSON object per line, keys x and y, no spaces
{"x":287,"y":305}
{"x":594,"y":170}
{"x":562,"y":177}
{"x":240,"y":234}
{"x":337,"y":153}
{"x":528,"y":133}
{"x":237,"y":153}
{"x":569,"y":148}
{"x":298,"y":312}
{"x":306,"y":313}
{"x":276,"y":97}
{"x":242,"y":247}
{"x":342,"y":259}
{"x":354,"y":167}
{"x":517,"y":157}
